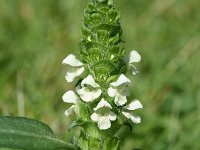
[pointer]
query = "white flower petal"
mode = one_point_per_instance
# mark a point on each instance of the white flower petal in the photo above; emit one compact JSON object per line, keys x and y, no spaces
{"x":111,"y":92}
{"x":123,"y":91}
{"x":88,"y":95}
{"x":122,"y":80}
{"x":70,"y":97}
{"x":70,"y":110}
{"x":73,"y":73}
{"x":103,"y":115}
{"x":120,"y":100}
{"x":112,"y":116}
{"x":120,"y":94}
{"x":104,"y":123}
{"x":126,"y":114}
{"x":134,"y":119}
{"x":102,"y":103}
{"x":72,"y":61}
{"x":135,"y":104}
{"x":133,"y":69}
{"x":95,"y":117}
{"x":89,"y":80}
{"x":134,"y":56}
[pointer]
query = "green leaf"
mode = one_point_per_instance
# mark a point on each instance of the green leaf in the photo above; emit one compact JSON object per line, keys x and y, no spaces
{"x":28,"y":134}
{"x":83,"y":111}
{"x":87,"y":142}
{"x":100,"y":1}
{"x":77,"y":122}
{"x":112,"y":143}
{"x":113,"y":16}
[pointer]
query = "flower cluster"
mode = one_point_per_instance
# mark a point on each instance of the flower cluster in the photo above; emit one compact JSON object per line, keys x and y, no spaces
{"x":89,"y":91}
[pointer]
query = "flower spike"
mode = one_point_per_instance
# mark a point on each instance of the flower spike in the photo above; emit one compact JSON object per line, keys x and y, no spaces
{"x":101,"y":101}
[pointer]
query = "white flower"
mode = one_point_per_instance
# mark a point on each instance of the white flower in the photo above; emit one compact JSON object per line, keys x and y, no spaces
{"x":134,"y":57}
{"x":89,"y":90}
{"x":103,"y":115}
{"x":119,"y":90}
{"x":76,"y":68}
{"x":71,"y":97}
{"x":134,"y":105}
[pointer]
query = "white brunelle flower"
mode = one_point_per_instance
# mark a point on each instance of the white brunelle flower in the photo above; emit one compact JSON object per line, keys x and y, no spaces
{"x":103,"y":115}
{"x":89,"y":89}
{"x":134,"y":57}
{"x":119,"y":90}
{"x":76,"y":67}
{"x":134,"y":105}
{"x":71,"y":97}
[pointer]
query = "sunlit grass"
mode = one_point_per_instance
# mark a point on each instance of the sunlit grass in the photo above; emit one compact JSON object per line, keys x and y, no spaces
{"x":35,"y":36}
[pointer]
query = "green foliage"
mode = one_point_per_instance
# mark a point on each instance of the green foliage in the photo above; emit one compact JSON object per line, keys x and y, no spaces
{"x":35,"y":36}
{"x":107,"y":143}
{"x":101,"y":46}
{"x":28,"y":134}
{"x":76,"y":123}
{"x":102,"y":51}
{"x":112,"y":143}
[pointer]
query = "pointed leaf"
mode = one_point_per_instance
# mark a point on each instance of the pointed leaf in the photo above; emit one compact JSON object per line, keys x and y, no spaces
{"x":77,"y":122}
{"x":112,"y":143}
{"x":28,"y":134}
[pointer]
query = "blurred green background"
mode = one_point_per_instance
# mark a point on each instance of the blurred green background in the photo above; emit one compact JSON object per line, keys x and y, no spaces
{"x":36,"y":35}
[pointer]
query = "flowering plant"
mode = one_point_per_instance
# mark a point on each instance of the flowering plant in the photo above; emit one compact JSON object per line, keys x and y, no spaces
{"x":100,"y":98}
{"x":100,"y":95}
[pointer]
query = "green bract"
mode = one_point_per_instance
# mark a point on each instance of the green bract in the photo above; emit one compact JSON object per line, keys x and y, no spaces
{"x":101,"y":47}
